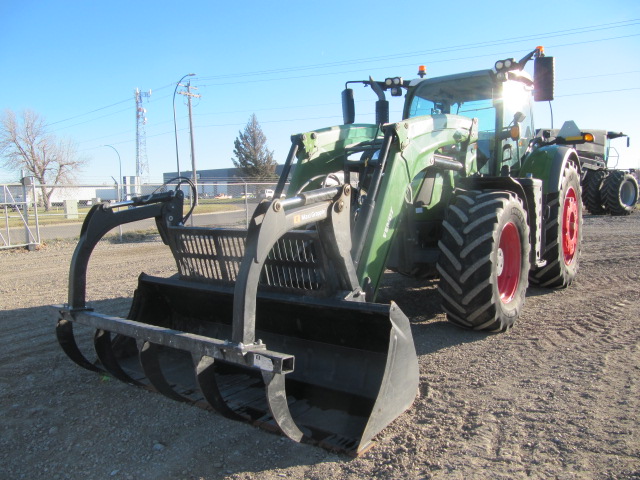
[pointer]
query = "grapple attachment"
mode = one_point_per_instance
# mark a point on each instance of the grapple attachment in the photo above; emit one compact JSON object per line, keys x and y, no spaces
{"x":267,"y":326}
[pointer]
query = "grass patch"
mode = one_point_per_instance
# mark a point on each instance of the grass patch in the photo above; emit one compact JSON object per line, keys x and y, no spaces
{"x":138,"y":236}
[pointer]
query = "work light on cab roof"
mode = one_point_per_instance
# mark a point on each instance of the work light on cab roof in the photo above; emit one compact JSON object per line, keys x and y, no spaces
{"x":395,"y":85}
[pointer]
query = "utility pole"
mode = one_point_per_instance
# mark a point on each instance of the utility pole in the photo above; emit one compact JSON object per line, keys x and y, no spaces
{"x":194,"y":174}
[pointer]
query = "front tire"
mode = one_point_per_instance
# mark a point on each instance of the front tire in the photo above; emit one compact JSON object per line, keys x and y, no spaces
{"x":484,"y":260}
{"x":620,"y":192}
{"x":563,"y":229}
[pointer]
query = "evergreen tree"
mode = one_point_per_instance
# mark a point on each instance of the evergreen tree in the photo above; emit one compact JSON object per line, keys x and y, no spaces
{"x":253,"y":159}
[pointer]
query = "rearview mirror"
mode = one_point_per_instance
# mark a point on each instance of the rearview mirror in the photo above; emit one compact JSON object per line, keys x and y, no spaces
{"x":348,"y":106}
{"x":543,"y":79}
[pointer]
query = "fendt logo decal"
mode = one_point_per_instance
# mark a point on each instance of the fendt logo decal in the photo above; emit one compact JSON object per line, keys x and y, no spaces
{"x":388,"y":225}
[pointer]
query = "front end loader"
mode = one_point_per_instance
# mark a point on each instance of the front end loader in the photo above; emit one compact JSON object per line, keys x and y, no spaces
{"x":278,"y":325}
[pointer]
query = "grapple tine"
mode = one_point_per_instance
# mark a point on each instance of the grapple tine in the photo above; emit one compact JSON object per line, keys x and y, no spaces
{"x":148,"y":354}
{"x":278,"y":406}
{"x":206,"y":377}
{"x":66,"y":339}
{"x":104,"y":350}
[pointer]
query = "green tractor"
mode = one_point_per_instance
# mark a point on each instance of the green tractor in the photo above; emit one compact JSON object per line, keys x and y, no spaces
{"x":279,"y":326}
{"x":605,"y":188}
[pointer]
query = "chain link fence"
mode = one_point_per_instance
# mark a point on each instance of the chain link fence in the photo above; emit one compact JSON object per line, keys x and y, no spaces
{"x":26,"y":221}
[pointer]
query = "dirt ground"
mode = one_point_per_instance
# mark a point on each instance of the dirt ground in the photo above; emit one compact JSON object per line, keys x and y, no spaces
{"x":556,"y":397}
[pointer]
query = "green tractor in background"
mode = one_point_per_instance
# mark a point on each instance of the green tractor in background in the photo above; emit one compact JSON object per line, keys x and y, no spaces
{"x":605,"y":188}
{"x":278,"y":325}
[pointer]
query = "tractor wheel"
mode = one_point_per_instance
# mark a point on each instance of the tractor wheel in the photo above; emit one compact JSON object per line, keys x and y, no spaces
{"x":620,"y":192}
{"x":591,"y":192}
{"x":484,"y":260}
{"x":563,"y":229}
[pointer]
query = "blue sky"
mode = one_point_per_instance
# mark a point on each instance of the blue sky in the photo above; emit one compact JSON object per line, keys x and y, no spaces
{"x":77,"y":63}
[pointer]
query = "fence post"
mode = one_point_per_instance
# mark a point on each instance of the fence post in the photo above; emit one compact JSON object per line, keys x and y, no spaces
{"x":25,"y":212}
{"x":119,"y":197}
{"x":246,"y":205}
{"x":35,"y":210}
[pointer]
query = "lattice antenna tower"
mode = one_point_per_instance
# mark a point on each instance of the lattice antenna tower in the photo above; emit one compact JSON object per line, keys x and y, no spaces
{"x":142,"y":165}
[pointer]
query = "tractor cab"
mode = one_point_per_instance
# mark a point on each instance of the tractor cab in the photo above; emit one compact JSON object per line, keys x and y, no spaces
{"x":498,"y":104}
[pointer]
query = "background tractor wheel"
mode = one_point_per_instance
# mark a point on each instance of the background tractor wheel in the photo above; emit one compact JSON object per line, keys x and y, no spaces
{"x":620,"y":192}
{"x":591,"y":192}
{"x":484,"y":260}
{"x":563,"y":230}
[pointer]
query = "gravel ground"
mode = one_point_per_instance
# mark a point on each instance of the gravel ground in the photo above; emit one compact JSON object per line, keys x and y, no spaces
{"x":556,"y":397}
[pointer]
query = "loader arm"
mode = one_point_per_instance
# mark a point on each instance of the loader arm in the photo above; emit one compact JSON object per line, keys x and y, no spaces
{"x":165,"y":207}
{"x":407,"y":148}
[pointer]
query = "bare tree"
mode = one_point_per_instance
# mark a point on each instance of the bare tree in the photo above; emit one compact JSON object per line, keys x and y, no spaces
{"x":26,"y":144}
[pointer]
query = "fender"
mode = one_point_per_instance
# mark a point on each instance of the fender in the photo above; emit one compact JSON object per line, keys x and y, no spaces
{"x":547,"y":163}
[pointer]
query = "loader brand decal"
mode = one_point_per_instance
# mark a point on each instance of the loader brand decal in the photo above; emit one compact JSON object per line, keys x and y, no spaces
{"x":308,"y":217}
{"x":388,"y":225}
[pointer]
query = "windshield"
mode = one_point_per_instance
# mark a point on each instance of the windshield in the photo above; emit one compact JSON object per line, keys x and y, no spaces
{"x":494,"y":104}
{"x":470,"y":96}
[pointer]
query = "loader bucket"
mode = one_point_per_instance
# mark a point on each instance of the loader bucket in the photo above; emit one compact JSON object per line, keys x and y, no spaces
{"x":256,"y":326}
{"x":355,"y":363}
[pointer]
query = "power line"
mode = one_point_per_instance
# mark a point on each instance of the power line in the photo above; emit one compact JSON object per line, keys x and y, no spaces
{"x":291,"y":107}
{"x":489,"y":43}
{"x":337,"y":103}
{"x":103,"y":108}
{"x":85,"y":114}
{"x":597,"y":76}
{"x":128,"y":109}
{"x":218,"y":125}
{"x":388,"y":67}
{"x":601,"y":91}
{"x":560,"y":33}
{"x":319,"y":105}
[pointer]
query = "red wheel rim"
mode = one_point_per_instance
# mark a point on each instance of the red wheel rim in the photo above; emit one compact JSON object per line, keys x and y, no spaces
{"x":509,"y":262}
{"x":570,"y":226}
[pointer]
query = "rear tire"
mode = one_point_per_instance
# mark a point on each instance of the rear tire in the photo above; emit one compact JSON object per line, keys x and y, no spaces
{"x":563,"y":230}
{"x":484,"y":260}
{"x":620,"y":192}
{"x":591,"y":192}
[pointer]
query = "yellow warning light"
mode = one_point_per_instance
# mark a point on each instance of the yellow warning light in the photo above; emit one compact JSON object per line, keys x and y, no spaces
{"x":540,"y":48}
{"x":515,"y":132}
{"x":422,"y":71}
{"x":588,"y":137}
